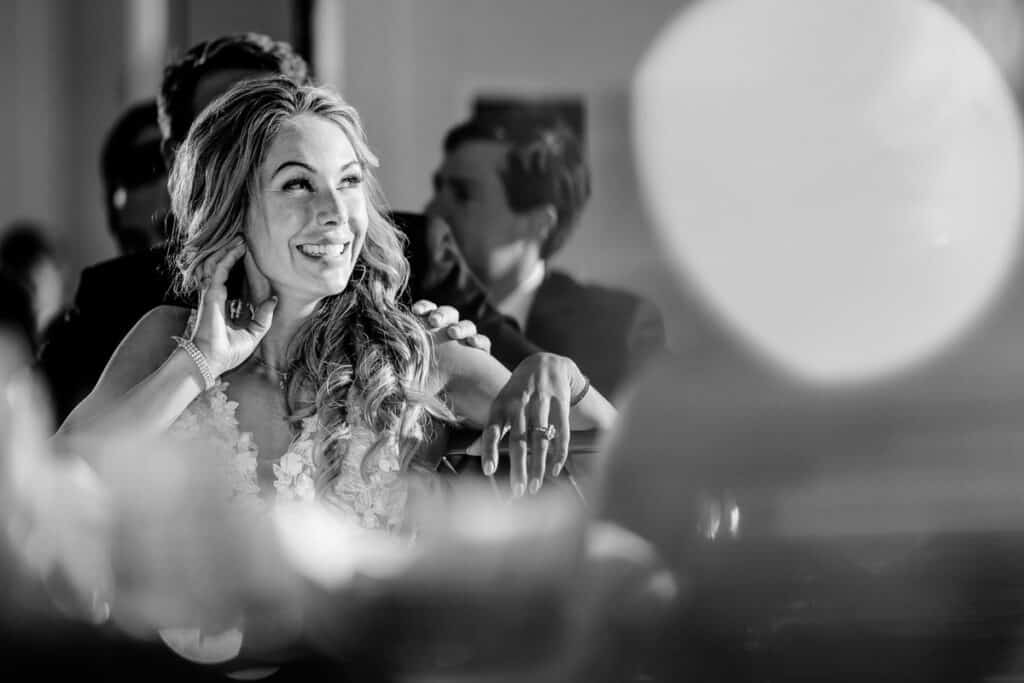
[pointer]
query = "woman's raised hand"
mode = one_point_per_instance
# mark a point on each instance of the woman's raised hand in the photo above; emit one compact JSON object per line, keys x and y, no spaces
{"x":225,"y":345}
{"x":533,"y":407}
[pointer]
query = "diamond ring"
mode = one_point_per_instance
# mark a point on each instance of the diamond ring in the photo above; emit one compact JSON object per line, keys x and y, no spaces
{"x":548,"y":432}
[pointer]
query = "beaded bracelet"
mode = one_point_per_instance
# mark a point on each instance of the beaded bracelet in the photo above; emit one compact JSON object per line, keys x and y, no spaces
{"x":583,"y":392}
{"x":199,"y":359}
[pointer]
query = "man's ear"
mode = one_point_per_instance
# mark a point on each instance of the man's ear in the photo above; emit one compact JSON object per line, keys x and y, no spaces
{"x":542,"y":221}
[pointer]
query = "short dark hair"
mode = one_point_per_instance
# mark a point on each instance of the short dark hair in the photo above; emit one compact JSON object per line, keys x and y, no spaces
{"x":253,"y":51}
{"x":23,"y":248}
{"x":130,"y":158}
{"x":545,"y":164}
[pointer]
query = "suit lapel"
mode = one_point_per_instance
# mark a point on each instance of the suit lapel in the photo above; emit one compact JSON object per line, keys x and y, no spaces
{"x":553,"y":309}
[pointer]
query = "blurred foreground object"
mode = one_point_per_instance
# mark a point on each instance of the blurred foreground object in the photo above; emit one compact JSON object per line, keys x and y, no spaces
{"x":840,"y":179}
{"x":869,"y":534}
{"x":148,"y":540}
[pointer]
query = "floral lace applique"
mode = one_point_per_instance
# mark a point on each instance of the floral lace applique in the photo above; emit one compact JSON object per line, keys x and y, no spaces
{"x":370,"y":485}
{"x":369,"y":489}
{"x":295,"y":472}
{"x":211,"y":419}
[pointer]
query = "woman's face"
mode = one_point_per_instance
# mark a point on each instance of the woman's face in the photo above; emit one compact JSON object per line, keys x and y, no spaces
{"x":308,"y":222}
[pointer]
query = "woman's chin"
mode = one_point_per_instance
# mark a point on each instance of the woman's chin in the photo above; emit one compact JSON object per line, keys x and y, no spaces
{"x":325,"y":287}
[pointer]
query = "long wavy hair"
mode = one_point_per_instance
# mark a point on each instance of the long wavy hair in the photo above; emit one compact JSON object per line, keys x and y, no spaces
{"x":362,"y":356}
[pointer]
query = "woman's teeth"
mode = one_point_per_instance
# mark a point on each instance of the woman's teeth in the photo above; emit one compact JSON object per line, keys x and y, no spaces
{"x":319,"y":250}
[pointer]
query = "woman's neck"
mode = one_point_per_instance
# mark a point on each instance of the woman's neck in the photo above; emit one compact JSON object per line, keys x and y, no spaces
{"x":288,"y":318}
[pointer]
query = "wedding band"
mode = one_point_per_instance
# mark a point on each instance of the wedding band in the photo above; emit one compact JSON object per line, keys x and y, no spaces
{"x":547,"y":432}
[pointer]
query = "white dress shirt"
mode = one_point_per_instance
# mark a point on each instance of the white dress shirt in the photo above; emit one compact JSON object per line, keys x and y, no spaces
{"x":519,"y":301}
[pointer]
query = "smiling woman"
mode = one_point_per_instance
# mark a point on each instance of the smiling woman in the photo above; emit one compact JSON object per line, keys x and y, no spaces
{"x":319,"y":389}
{"x":312,"y":206}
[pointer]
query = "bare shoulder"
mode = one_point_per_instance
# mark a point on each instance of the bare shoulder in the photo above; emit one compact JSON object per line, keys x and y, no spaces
{"x":162,"y":321}
{"x":143,"y":350}
{"x":145,"y":347}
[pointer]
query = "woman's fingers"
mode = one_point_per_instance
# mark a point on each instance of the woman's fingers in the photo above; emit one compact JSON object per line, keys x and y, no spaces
{"x":490,"y":438}
{"x":264,"y":316}
{"x":538,"y":409}
{"x":461,"y":330}
{"x":224,"y":264}
{"x":441,"y":317}
{"x":479,"y":341}
{"x":217,"y":267}
{"x":517,"y":445}
{"x":559,"y":417}
{"x":422,"y":307}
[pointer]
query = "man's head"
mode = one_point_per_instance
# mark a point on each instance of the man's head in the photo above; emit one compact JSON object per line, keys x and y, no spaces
{"x":209,"y":69}
{"x":28,"y":257}
{"x":511,"y":187}
{"x":134,"y":179}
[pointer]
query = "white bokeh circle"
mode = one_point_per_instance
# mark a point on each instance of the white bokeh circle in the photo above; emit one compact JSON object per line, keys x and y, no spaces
{"x":840,"y":179}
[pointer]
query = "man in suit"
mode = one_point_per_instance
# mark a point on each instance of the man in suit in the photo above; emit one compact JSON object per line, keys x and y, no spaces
{"x":112,"y":296}
{"x":510,"y":188}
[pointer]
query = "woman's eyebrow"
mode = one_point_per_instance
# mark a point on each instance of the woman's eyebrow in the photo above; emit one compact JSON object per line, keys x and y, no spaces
{"x":286,"y":164}
{"x":307,"y":167}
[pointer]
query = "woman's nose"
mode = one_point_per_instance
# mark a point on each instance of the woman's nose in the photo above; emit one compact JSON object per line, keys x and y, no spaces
{"x":332,"y":209}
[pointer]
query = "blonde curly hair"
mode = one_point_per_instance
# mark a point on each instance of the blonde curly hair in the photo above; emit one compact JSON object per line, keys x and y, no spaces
{"x":362,"y":356}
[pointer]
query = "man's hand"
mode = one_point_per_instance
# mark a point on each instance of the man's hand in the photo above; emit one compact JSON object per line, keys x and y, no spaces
{"x":443,"y":322}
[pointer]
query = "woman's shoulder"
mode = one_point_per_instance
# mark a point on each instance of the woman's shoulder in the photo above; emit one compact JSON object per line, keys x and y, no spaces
{"x":167,"y":317}
{"x":162,"y":322}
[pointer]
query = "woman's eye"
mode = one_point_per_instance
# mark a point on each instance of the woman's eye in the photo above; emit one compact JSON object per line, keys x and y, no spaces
{"x":354,"y":180}
{"x":298,"y":184}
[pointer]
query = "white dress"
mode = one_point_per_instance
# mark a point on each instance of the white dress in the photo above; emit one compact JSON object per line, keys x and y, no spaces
{"x":371,"y":494}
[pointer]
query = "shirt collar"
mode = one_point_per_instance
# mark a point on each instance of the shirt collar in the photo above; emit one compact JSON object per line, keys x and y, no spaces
{"x":519,"y":301}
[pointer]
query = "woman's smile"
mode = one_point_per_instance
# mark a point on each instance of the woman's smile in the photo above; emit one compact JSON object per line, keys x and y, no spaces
{"x":310,"y":223}
{"x":324,"y":252}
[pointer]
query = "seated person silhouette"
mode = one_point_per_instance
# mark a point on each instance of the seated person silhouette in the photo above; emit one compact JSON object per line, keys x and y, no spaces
{"x":511,"y":188}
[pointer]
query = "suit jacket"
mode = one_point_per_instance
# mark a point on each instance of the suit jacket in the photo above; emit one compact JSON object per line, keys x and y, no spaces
{"x":610,"y":333}
{"x":113,"y":295}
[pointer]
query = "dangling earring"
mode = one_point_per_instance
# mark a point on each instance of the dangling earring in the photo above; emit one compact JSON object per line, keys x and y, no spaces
{"x":362,"y":273}
{"x":235,"y":309}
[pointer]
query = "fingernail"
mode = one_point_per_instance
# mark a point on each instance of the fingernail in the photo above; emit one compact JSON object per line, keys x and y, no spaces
{"x":556,"y":470}
{"x":518,"y":490}
{"x":534,"y":486}
{"x":489,"y":468}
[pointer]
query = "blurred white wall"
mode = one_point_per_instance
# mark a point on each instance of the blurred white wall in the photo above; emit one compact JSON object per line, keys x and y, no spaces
{"x":35,"y":178}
